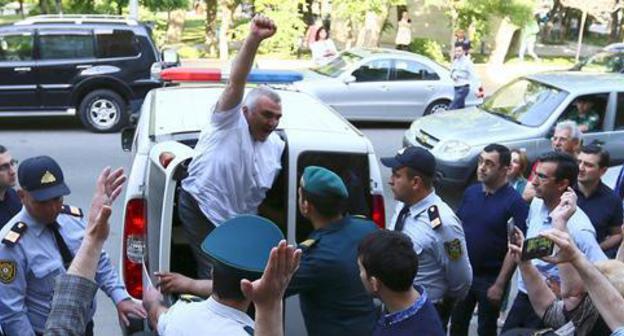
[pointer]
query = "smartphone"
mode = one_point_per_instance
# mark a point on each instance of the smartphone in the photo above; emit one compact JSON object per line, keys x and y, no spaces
{"x":537,"y":247}
{"x":510,"y":231}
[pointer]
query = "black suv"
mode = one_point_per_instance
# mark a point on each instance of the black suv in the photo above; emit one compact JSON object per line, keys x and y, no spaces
{"x":98,"y":67}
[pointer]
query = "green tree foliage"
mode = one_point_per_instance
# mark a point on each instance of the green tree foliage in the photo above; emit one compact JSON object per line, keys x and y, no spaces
{"x":163,"y":5}
{"x":289,"y":21}
{"x":354,"y":13}
{"x":427,"y":47}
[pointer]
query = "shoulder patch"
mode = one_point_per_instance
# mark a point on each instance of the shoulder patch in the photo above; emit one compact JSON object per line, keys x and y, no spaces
{"x":15,"y":234}
{"x":305,"y":245}
{"x":7,"y":271}
{"x":434,"y":217}
{"x":453,"y":249}
{"x":72,"y":210}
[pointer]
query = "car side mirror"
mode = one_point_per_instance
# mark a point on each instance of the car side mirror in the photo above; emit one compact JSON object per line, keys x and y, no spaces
{"x":127,"y":136}
{"x":170,"y":58}
{"x":349,"y":79}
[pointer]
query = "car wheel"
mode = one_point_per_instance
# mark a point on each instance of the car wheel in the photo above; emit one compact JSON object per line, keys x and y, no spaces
{"x":437,"y":106}
{"x":103,"y":111}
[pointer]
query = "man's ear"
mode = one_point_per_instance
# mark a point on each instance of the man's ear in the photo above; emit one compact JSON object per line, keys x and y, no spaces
{"x":375,"y":284}
{"x":21,"y":194}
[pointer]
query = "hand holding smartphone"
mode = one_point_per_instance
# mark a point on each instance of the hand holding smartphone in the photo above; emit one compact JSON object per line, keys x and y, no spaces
{"x":537,"y":247}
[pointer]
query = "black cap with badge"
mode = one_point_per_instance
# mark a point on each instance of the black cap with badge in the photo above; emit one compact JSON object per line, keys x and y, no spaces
{"x":417,"y":158}
{"x":42,"y":178}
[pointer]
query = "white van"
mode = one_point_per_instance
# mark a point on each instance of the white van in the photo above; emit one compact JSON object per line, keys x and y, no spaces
{"x":162,"y":145}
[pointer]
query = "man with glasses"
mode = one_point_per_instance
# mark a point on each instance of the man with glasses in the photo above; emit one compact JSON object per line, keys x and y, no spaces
{"x":10,"y":204}
{"x":566,"y":139}
{"x":555,"y":174}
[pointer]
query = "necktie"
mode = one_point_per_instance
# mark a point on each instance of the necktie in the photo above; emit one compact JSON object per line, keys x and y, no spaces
{"x":60,"y":243}
{"x":400,"y":223}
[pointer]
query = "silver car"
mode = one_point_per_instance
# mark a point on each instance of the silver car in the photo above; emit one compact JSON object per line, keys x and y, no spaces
{"x":522,"y":115}
{"x":383,"y":85}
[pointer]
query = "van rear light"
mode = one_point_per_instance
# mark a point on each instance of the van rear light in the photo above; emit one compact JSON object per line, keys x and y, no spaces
{"x":379,"y":211}
{"x":134,"y":245}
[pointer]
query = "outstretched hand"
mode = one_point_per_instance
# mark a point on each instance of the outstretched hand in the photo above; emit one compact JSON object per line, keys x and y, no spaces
{"x":262,"y":27}
{"x":270,"y":288}
{"x":567,"y":252}
{"x":107,"y":188}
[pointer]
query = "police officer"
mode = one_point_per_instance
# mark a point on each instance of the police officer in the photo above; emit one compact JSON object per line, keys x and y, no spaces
{"x":239,"y":249}
{"x":333,"y":299}
{"x":39,"y":243}
{"x":437,"y":234}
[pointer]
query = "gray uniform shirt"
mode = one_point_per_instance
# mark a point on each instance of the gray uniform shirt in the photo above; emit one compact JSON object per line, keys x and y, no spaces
{"x":443,"y":265}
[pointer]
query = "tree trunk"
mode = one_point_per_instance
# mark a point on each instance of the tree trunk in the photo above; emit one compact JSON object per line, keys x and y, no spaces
{"x":211,"y":27}
{"x":175,"y":25}
{"x":615,"y":27}
{"x":43,"y":6}
{"x":502,"y":42}
{"x":227,"y":8}
{"x":369,"y":34}
{"x":21,"y":8}
{"x":59,"y":6}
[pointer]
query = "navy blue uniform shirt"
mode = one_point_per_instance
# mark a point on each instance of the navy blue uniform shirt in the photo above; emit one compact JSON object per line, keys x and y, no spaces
{"x":484,"y":217}
{"x":333,"y":299}
{"x":9,"y":206}
{"x":604,"y":209}
{"x":421,"y":318}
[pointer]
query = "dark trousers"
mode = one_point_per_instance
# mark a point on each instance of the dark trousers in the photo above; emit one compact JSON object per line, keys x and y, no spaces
{"x":522,"y":315}
{"x":488,"y":313}
{"x":459,"y":100}
{"x":197,"y":227}
{"x":445,"y":308}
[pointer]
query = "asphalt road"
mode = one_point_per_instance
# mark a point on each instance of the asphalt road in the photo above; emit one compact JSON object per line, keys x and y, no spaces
{"x":82,"y":155}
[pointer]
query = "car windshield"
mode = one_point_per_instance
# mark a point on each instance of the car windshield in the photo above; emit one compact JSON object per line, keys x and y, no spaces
{"x":525,"y":102}
{"x":338,"y":65}
{"x":604,"y":62}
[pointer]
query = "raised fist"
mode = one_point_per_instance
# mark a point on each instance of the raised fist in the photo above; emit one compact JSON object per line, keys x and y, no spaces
{"x":262,"y":27}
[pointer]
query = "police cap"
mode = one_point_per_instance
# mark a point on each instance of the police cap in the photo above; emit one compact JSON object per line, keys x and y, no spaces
{"x":323,"y":182}
{"x":42,"y":177}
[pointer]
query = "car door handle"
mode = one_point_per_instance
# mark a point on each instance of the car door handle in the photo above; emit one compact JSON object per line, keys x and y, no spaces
{"x":85,"y":66}
{"x":22,"y":69}
{"x":383,"y":88}
{"x":430,"y":87}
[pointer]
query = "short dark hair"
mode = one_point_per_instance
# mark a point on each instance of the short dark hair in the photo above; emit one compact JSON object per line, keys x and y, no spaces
{"x":226,"y":281}
{"x":605,"y":158}
{"x":567,"y":167}
{"x":427,"y":179}
{"x":326,"y":206}
{"x":3,"y":149}
{"x":390,"y":257}
{"x":504,"y":154}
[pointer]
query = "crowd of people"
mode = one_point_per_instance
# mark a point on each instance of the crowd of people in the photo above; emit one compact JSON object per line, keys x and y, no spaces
{"x":423,"y":275}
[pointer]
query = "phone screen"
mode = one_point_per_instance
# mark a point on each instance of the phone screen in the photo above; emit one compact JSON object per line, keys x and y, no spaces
{"x":537,"y":247}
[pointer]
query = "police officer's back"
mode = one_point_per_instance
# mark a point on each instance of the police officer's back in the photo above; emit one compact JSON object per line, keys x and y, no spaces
{"x":333,"y":299}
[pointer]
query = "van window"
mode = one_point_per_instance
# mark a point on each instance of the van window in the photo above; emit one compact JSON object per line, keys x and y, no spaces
{"x":116,"y":43}
{"x":65,"y":46}
{"x":619,"y":115}
{"x":353,"y":168}
{"x":16,"y":47}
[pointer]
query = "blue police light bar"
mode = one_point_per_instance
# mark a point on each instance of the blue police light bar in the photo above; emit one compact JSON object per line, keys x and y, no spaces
{"x":273,"y":76}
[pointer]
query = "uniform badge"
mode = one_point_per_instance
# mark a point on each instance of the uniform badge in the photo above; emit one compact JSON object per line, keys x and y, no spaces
{"x":453,"y":249}
{"x":434,"y":216}
{"x":7,"y":271}
{"x":48,"y":178}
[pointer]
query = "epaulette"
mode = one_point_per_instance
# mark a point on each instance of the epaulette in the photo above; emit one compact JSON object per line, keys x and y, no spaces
{"x":188,"y":298}
{"x":15,"y":234}
{"x":72,"y":210}
{"x":434,"y":217}
{"x":249,"y":330}
{"x":307,"y":244}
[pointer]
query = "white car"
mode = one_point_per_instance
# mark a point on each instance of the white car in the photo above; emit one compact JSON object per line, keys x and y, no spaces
{"x":384,"y":85}
{"x":162,"y":146}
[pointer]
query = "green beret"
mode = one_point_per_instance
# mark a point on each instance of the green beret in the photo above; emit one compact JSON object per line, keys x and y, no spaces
{"x":323,"y":182}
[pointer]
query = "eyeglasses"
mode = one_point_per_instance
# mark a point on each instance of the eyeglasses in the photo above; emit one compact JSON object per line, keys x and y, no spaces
{"x":5,"y":167}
